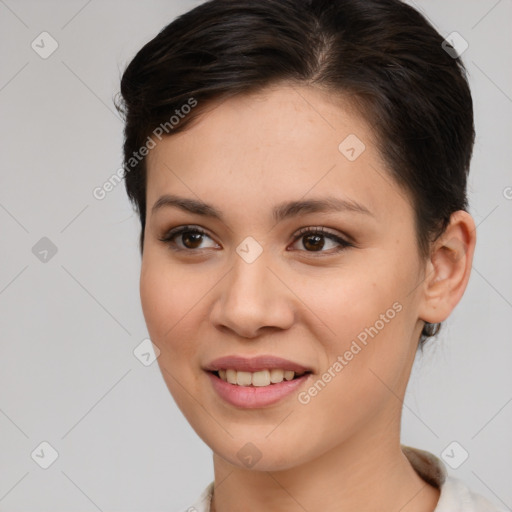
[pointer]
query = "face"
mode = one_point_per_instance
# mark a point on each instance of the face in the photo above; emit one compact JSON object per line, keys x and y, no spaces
{"x":332,"y":288}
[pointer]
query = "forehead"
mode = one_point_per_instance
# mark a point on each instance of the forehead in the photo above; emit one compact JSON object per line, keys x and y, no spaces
{"x":281,"y":143}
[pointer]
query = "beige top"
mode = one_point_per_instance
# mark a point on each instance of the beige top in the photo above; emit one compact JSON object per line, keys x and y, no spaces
{"x":455,"y":496}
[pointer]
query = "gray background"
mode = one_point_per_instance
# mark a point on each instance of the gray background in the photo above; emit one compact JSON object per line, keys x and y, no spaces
{"x":68,"y":375}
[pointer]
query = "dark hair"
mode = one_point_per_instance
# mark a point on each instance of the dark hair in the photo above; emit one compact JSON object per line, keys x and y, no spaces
{"x":383,"y":54}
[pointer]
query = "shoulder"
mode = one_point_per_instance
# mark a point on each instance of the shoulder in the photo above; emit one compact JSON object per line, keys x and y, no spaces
{"x":457,"y":497}
{"x":454,"y":496}
{"x":202,"y":504}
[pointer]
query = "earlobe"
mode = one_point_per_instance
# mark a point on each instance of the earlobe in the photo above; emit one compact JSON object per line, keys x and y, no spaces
{"x":448,"y":268}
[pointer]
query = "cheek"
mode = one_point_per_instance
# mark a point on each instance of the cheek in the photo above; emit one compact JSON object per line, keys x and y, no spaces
{"x":364,"y":315}
{"x":365,"y":359}
{"x":349,"y":299}
{"x":170,"y":297}
{"x":170,"y":300}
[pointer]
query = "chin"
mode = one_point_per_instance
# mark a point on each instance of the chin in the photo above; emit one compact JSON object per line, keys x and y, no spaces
{"x":259,"y":455}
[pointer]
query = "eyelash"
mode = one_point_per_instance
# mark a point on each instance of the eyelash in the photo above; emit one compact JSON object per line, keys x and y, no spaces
{"x":169,"y":237}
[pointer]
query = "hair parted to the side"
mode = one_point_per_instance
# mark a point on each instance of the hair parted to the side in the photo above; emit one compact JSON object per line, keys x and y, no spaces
{"x":382,"y":54}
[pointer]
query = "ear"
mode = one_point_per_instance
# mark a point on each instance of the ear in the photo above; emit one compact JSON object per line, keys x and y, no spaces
{"x":448,"y":268}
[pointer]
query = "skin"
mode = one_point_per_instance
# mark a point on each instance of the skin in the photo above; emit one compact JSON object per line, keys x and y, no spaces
{"x":297,"y":300}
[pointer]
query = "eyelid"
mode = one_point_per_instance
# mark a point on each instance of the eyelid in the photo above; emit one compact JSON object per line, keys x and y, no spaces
{"x":178,"y":230}
{"x":343,"y":241}
{"x":320,"y":229}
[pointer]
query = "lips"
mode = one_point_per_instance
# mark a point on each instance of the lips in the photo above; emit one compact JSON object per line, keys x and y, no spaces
{"x":260,"y":391}
{"x":255,"y":364}
{"x":255,"y":397}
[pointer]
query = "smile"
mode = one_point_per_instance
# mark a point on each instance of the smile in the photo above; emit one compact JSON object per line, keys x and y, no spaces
{"x":255,"y":382}
{"x":259,"y":379}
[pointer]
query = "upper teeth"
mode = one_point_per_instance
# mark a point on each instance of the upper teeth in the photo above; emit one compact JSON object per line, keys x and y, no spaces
{"x":260,"y":378}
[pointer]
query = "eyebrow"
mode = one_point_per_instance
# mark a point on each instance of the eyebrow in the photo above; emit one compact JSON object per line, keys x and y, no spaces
{"x":280,"y":212}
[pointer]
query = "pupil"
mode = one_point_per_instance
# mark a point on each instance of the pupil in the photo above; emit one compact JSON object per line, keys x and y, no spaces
{"x":195,"y":239}
{"x":317,"y":239}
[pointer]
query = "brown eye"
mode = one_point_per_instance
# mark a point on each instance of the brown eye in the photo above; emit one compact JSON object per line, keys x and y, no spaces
{"x":314,"y":240}
{"x":185,"y":238}
{"x":191,"y":239}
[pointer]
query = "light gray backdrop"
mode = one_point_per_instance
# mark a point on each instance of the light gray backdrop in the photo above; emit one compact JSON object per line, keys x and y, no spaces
{"x":71,"y":319}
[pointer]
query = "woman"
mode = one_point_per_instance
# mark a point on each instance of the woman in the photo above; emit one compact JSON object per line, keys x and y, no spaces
{"x":299,"y":168}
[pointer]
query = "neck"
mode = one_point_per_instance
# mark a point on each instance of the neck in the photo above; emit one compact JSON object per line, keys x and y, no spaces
{"x":362,"y":473}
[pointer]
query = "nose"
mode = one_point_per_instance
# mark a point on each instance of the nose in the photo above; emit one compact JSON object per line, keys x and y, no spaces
{"x":251,"y":299}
